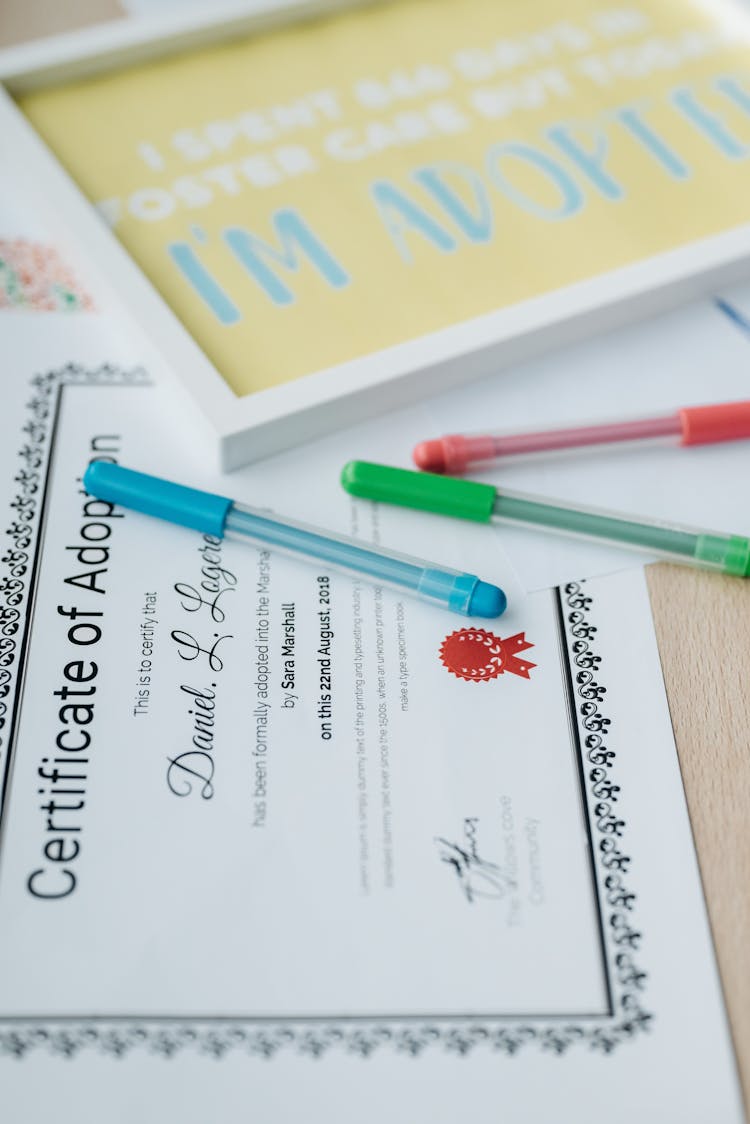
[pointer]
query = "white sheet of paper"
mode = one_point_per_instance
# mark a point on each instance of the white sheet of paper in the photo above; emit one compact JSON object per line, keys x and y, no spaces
{"x":472,"y":898}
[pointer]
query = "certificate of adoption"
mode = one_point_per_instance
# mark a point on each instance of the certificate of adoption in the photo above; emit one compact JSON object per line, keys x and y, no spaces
{"x":279,"y":845}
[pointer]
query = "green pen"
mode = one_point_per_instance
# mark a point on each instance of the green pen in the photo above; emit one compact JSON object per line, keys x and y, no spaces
{"x":483,"y":503}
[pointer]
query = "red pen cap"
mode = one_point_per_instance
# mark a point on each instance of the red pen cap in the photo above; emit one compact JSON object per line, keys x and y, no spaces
{"x":727,"y":421}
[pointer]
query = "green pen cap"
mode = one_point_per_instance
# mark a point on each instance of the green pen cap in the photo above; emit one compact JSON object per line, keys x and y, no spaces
{"x":728,"y":553}
{"x":426,"y":491}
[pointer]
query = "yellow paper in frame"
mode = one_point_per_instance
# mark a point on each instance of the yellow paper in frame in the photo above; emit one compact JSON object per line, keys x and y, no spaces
{"x":316,"y":193}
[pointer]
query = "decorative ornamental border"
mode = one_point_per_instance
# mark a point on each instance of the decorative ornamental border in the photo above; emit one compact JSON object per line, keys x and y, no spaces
{"x":622,"y":939}
{"x":167,"y":1036}
{"x":21,"y":532}
{"x":23,"y":529}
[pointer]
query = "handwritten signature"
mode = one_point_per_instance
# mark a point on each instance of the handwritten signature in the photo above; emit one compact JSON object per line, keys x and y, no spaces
{"x":477,"y":877}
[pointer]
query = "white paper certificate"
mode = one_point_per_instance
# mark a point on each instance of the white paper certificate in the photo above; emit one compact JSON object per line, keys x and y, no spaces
{"x":257,"y":810}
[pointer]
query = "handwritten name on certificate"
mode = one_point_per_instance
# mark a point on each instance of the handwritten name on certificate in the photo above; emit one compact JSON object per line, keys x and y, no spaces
{"x":256,"y":810}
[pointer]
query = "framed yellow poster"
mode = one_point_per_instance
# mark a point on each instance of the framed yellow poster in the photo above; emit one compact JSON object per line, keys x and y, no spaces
{"x":322,"y":216}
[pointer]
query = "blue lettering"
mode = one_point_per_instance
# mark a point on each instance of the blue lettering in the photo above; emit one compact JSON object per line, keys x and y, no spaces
{"x":709,"y":124}
{"x":476,"y":226}
{"x":590,"y":163}
{"x":571,"y":196}
{"x":400,"y":213}
{"x":293,"y":235}
{"x":204,"y":284}
{"x":732,"y":89}
{"x":630,"y":117}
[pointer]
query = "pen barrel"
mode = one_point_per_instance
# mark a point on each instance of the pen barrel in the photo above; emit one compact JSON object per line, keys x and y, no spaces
{"x":463,"y":593}
{"x":455,"y":453}
{"x":587,"y":435}
{"x":300,"y":540}
{"x":729,"y":554}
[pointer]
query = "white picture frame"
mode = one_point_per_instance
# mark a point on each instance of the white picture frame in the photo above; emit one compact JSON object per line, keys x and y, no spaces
{"x":257,"y":425}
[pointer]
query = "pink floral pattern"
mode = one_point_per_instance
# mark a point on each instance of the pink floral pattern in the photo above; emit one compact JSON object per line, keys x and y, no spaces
{"x":34,"y":276}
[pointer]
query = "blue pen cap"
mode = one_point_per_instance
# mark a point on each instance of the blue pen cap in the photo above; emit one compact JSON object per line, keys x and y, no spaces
{"x":463,"y":593}
{"x":203,"y":511}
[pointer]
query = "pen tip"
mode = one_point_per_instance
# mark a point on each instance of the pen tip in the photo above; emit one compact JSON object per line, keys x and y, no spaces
{"x":429,"y":456}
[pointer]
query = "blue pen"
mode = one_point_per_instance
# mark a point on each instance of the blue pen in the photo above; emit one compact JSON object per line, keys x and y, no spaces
{"x":220,"y":517}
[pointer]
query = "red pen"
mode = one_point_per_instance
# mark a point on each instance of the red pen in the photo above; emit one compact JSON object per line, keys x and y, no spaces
{"x":691,"y":425}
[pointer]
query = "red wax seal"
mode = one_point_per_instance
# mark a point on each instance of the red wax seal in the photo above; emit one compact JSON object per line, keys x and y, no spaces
{"x":477,"y":655}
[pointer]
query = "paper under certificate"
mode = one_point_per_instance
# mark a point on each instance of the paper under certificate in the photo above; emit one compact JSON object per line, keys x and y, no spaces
{"x":254,"y":809}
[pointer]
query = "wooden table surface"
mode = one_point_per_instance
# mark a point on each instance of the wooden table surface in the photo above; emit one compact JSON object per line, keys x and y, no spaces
{"x":703,"y":630}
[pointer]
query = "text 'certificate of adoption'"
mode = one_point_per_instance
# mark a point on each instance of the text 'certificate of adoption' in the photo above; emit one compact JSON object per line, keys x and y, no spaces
{"x":278,"y":845}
